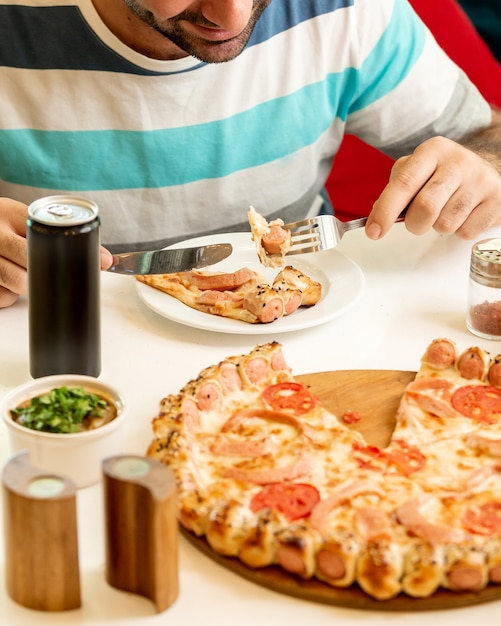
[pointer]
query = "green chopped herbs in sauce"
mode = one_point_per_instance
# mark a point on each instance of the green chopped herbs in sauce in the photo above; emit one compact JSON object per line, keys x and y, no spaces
{"x":61,"y":410}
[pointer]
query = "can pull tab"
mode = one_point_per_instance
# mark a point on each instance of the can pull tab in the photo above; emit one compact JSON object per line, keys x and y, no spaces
{"x":61,"y":210}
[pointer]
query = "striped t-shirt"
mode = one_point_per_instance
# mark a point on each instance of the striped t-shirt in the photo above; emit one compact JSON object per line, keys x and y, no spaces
{"x":175,"y":149}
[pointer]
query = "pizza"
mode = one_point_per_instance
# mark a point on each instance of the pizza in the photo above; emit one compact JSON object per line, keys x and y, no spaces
{"x":268,"y":476}
{"x":243,"y":295}
{"x":272,"y":241}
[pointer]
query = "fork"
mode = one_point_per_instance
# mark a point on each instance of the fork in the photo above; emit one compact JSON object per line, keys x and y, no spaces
{"x":322,"y":232}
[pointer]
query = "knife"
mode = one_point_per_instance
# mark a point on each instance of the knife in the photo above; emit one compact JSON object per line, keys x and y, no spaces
{"x":169,"y":261}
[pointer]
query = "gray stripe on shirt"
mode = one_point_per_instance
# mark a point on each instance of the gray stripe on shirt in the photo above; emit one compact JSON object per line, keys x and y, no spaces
{"x":466,"y":112}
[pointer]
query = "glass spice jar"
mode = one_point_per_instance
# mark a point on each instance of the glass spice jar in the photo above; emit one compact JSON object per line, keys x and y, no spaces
{"x":484,"y":291}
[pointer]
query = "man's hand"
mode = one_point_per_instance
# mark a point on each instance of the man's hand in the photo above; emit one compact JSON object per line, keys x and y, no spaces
{"x":13,"y":276}
{"x":13,"y":251}
{"x":450,"y":187}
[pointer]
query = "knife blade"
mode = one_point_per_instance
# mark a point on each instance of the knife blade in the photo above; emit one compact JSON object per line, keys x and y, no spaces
{"x":169,"y":261}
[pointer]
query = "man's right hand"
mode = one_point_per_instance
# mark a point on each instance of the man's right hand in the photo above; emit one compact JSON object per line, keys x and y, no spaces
{"x":13,"y":252}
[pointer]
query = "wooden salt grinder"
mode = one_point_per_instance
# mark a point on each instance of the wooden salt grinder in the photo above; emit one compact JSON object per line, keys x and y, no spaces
{"x":41,"y":544}
{"x":141,"y":531}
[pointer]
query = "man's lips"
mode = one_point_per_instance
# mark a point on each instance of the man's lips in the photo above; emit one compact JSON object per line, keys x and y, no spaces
{"x":211,"y":34}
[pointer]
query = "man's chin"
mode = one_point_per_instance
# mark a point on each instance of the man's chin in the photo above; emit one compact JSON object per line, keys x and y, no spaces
{"x":220,"y":52}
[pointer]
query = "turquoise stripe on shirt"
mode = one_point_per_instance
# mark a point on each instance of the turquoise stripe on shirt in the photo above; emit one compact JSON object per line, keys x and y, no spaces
{"x":99,"y":160}
{"x":382,"y":79}
{"x":104,"y":160}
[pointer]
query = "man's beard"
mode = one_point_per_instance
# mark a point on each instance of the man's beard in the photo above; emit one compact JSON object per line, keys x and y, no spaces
{"x":202,"y":49}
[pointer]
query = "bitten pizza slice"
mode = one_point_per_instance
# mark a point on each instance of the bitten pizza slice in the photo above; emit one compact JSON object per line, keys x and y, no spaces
{"x":216,"y":293}
{"x":242,"y":295}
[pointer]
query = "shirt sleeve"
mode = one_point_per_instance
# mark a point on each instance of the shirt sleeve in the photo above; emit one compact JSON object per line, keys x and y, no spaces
{"x":409,"y":90}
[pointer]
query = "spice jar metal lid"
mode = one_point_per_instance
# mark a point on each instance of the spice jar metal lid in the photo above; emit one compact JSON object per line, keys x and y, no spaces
{"x":485,"y":265}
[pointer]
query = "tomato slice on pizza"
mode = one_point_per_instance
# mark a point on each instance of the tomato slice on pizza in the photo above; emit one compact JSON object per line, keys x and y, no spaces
{"x":406,"y":458}
{"x":484,"y":519}
{"x":290,"y":396}
{"x":294,"y":500}
{"x":481,"y":403}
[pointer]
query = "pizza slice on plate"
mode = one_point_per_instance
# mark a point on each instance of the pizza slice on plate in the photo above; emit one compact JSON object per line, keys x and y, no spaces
{"x":269,"y":476}
{"x":242,"y":295}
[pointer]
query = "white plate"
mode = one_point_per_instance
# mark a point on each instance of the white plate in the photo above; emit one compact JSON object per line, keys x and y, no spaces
{"x":342,"y":284}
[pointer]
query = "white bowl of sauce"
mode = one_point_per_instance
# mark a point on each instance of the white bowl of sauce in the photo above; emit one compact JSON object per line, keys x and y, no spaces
{"x":76,"y":455}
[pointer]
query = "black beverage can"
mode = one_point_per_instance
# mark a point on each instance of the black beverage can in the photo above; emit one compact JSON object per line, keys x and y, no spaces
{"x":64,"y":286}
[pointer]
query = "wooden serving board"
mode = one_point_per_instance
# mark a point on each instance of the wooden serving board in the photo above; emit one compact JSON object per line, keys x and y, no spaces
{"x":375,"y":395}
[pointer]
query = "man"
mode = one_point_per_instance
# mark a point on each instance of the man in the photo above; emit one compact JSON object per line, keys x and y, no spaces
{"x":175,"y":115}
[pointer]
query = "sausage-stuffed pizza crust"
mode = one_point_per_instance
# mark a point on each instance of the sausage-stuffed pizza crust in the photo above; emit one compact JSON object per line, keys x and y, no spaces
{"x":269,"y":476}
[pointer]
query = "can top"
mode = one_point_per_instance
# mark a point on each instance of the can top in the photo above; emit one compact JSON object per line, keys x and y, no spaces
{"x":486,"y":262}
{"x":63,"y":210}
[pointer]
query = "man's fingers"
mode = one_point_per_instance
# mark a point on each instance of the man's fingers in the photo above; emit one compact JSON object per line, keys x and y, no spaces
{"x":18,"y":218}
{"x":13,"y":251}
{"x":13,"y":247}
{"x":408,"y":175}
{"x":106,"y":259}
{"x":13,"y":277}
{"x":445,"y":187}
{"x":7,"y":297}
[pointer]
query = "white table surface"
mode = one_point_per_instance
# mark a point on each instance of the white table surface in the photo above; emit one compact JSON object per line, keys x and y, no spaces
{"x":415,"y":291}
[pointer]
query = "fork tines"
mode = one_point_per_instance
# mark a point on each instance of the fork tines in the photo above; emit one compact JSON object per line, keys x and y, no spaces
{"x":299,"y":236}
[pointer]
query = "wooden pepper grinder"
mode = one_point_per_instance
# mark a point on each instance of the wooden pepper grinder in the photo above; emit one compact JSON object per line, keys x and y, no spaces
{"x":41,"y":544}
{"x":141,"y":530}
